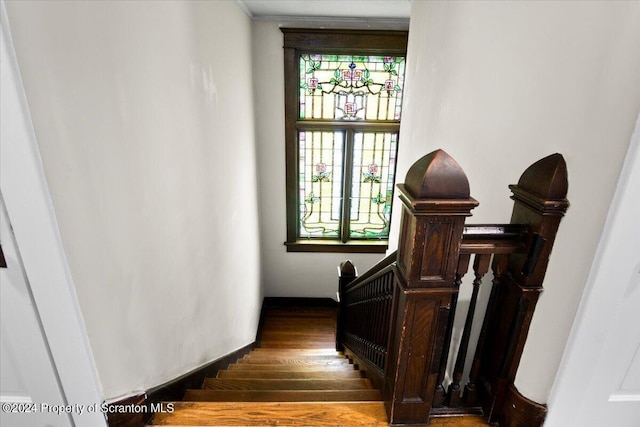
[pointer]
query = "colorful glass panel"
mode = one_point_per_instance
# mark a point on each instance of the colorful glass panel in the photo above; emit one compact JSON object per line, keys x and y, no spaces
{"x":374,"y":164}
{"x":320,"y":183}
{"x":350,"y":87}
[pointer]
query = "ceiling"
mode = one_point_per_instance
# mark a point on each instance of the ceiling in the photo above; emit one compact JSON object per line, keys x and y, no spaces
{"x":372,"y":9}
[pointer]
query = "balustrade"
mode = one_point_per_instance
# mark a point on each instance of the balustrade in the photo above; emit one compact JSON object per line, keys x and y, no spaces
{"x":398,"y":318}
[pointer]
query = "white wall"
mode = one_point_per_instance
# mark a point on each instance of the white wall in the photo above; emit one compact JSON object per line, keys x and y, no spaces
{"x":284,"y":274}
{"x":144,"y":116}
{"x":499,"y":85}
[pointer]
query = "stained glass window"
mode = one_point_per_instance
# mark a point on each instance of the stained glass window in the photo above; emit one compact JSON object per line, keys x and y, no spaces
{"x":349,"y":87}
{"x":342,"y":132}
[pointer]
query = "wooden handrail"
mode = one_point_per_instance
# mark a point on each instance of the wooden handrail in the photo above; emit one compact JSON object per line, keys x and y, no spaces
{"x":381,"y":267}
{"x":494,"y":238}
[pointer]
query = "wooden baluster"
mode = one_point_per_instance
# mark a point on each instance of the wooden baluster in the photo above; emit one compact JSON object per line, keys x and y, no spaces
{"x":380,"y":321}
{"x":470,"y":392}
{"x":439,"y":396}
{"x":378,"y":318}
{"x":373,"y":321}
{"x":480,"y":268}
{"x":369,"y":323}
{"x":378,"y":306}
{"x":388,"y":301}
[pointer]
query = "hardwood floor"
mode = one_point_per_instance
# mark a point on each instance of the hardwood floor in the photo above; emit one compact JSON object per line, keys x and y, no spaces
{"x":295,"y":378}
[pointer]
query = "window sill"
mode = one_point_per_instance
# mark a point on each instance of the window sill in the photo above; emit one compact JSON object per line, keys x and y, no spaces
{"x":354,"y":246}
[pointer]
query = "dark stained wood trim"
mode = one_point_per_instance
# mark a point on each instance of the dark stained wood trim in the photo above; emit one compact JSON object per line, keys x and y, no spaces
{"x":520,"y":411}
{"x":3,"y":261}
{"x":380,"y":269}
{"x":462,"y":411}
{"x":116,"y":419}
{"x":353,"y":246}
{"x":173,"y":390}
{"x":305,"y":39}
{"x":494,"y":239}
{"x":370,"y":125}
{"x":291,"y":137}
{"x":291,"y":147}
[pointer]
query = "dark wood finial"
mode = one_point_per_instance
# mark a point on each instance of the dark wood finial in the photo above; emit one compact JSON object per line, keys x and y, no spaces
{"x":347,"y":269}
{"x":546,"y":178}
{"x":437,"y":176}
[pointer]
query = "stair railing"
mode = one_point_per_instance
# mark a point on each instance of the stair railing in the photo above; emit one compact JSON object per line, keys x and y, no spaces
{"x":363,"y":318}
{"x":397,"y":319}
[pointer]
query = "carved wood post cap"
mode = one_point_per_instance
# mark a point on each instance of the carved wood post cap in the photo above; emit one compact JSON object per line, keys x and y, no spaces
{"x":546,"y":178}
{"x":544,"y":185}
{"x":347,"y":269}
{"x":437,"y":176}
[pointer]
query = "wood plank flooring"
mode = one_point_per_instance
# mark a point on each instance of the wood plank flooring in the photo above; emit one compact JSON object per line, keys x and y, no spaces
{"x":295,"y":378}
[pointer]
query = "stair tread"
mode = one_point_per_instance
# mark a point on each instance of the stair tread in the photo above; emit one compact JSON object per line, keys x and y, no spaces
{"x":292,"y":343}
{"x":208,"y":395}
{"x":325,"y":414}
{"x":299,"y":325}
{"x":289,"y":374}
{"x":306,"y":328}
{"x":261,"y":384}
{"x":293,"y":368}
{"x":289,"y":355}
{"x":329,"y":350}
{"x":294,"y":361}
{"x":293,"y":340}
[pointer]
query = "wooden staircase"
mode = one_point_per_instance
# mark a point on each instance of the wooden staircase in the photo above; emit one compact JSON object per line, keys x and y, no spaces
{"x":295,"y":378}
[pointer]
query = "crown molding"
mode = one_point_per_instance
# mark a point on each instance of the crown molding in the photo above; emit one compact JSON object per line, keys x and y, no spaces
{"x":335,"y":22}
{"x":245,"y":8}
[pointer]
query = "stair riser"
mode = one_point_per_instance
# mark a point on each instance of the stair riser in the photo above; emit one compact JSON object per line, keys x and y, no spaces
{"x":289,"y":356}
{"x":282,"y":395}
{"x":251,"y":384}
{"x":319,"y":375}
{"x":295,"y":362}
{"x":292,"y":368}
{"x":297,"y":351}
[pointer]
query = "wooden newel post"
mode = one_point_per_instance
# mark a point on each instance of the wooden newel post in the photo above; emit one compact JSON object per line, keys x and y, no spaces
{"x":347,"y":273}
{"x":436,"y":201}
{"x":540,"y":203}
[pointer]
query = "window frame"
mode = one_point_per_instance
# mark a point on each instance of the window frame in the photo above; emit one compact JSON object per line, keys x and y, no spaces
{"x":305,"y":41}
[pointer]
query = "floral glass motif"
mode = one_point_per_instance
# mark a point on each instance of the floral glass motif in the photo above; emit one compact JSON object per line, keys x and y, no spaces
{"x":351,"y":87}
{"x":321,"y":173}
{"x":372,"y":174}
